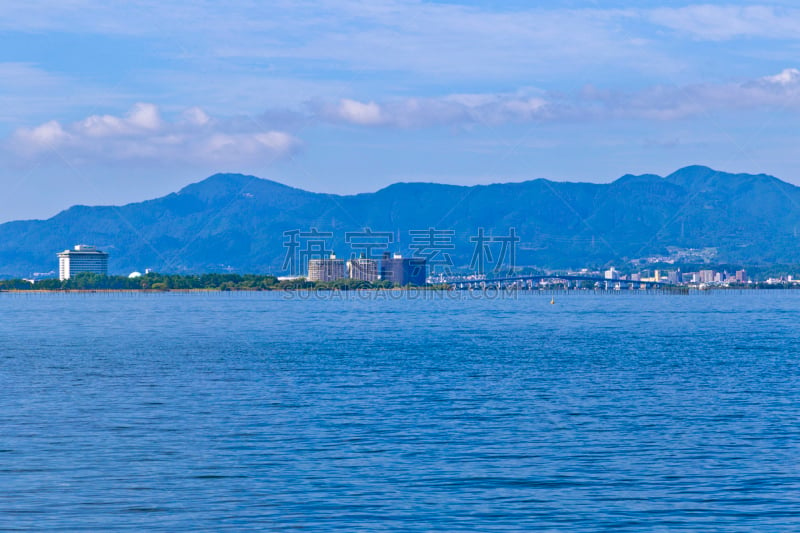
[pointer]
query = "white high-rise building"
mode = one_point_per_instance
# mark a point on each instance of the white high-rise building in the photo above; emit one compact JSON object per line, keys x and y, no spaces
{"x":363,"y":269}
{"x":82,"y":258}
{"x":329,"y":269}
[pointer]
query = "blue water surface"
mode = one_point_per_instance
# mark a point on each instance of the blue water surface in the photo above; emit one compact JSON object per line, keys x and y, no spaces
{"x":395,"y":411}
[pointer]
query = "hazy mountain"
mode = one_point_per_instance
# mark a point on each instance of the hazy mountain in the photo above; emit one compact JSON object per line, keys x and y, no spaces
{"x":237,"y":223}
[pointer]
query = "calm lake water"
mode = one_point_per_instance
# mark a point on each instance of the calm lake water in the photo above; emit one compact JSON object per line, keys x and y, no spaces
{"x":248,"y":411}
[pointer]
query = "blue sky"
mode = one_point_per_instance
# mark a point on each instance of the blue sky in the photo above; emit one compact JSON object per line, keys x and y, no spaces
{"x":112,"y":102}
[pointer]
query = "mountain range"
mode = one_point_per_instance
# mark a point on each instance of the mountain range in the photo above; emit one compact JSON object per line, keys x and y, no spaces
{"x":239,"y":223}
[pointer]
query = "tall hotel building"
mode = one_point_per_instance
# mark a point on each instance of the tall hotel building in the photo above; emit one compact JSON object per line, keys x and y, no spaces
{"x":328,"y":269}
{"x":363,"y":269}
{"x":82,"y":258}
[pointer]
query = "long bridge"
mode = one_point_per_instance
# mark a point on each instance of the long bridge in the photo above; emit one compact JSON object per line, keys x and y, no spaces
{"x":463,"y":281}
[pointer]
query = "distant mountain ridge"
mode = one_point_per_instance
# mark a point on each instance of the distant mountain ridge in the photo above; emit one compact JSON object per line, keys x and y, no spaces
{"x":233,"y":222}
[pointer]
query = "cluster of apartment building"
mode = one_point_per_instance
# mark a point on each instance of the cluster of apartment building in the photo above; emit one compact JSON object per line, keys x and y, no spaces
{"x":395,"y":268}
{"x":676,"y":277}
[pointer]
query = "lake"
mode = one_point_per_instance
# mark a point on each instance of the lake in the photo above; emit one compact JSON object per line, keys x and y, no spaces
{"x":393,"y":411}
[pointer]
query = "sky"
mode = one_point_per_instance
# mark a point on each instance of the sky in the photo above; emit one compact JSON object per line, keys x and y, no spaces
{"x":115,"y":102}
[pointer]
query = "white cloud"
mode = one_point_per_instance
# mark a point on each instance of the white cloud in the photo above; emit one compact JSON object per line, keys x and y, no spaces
{"x":139,"y":120}
{"x":789,"y":76}
{"x":48,"y":134}
{"x":423,"y":112}
{"x":144,"y":116}
{"x":367,"y":114}
{"x":196,"y":116}
{"x":143,"y":135}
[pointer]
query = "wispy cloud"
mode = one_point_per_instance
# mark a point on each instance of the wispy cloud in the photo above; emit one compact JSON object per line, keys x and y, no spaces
{"x":724,"y":22}
{"x":779,"y":91}
{"x":439,"y":39}
{"x":29,"y":92}
{"x":143,"y":135}
{"x":282,"y":52}
{"x":662,"y":102}
{"x":22,"y":75}
{"x":457,"y":109}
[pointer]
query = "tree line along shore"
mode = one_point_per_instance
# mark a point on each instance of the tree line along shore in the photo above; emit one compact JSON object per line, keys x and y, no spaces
{"x":177,"y":282}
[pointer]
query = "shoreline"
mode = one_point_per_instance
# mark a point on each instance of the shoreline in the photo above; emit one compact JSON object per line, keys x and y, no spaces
{"x":677,"y":290}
